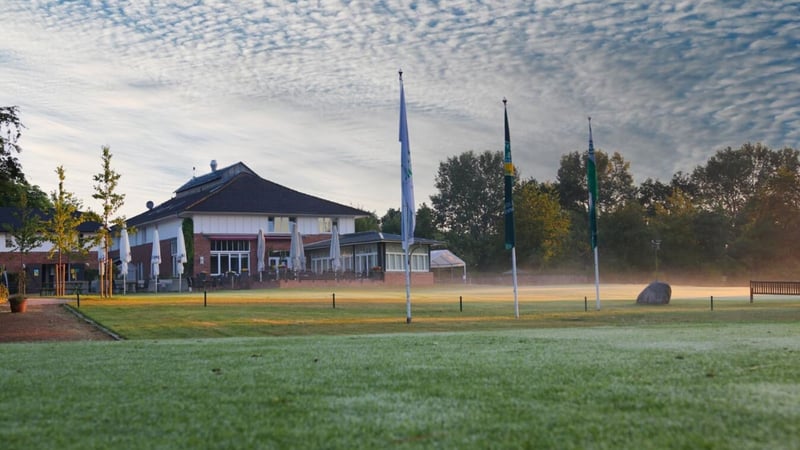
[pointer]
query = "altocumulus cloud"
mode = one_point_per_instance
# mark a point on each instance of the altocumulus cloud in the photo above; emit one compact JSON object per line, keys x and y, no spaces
{"x":306,"y":93}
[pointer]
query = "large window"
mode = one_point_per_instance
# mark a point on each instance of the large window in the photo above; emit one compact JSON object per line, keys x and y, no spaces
{"x":395,"y":255}
{"x":366,"y":257}
{"x":278,"y":225}
{"x":229,"y":256}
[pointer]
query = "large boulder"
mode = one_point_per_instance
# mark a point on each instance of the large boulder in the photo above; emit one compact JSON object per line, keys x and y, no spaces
{"x":656,"y":293}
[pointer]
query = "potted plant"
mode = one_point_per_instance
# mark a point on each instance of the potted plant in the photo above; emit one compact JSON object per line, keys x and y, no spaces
{"x":18,"y":302}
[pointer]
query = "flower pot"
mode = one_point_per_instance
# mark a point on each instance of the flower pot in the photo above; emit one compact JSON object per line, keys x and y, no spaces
{"x":18,"y":305}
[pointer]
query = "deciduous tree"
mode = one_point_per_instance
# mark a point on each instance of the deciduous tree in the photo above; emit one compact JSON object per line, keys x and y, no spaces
{"x":105,"y":190}
{"x":468,"y":207}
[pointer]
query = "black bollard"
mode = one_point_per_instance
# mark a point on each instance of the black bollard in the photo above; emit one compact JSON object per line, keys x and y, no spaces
{"x":585,"y":304}
{"x":205,"y":298}
{"x":712,"y":302}
{"x":333,"y":300}
{"x":460,"y":304}
{"x":78,"y":296}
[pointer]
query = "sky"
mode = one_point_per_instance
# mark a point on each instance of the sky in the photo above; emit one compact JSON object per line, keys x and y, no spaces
{"x":306,"y":93}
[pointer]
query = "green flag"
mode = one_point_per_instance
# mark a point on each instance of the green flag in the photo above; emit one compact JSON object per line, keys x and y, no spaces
{"x":591,"y":178}
{"x":509,"y":185}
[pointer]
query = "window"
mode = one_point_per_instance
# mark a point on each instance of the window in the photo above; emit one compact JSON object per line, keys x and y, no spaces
{"x":395,"y":255}
{"x":229,"y":256}
{"x":366,"y":257}
{"x":325,"y":224}
{"x":278,"y":225}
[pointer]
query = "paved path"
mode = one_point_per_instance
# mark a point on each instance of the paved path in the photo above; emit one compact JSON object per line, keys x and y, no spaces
{"x":47,"y":319}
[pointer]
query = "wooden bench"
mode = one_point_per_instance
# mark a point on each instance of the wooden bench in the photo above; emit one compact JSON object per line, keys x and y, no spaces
{"x":774,"y":288}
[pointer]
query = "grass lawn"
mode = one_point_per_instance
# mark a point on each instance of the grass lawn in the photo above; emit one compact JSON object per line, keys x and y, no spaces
{"x":297,"y":373}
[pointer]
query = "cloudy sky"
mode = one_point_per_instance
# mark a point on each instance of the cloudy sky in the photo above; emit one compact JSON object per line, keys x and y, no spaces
{"x":306,"y":93}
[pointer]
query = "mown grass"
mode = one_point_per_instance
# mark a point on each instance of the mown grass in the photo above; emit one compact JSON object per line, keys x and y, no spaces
{"x":558,"y":377}
{"x":369,"y":311}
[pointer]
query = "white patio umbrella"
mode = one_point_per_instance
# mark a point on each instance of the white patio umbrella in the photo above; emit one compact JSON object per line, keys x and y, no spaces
{"x":296,"y":253}
{"x":181,"y":256}
{"x":260,"y":250}
{"x":101,"y":259}
{"x":335,"y":251}
{"x":124,"y":257}
{"x":155,"y":258}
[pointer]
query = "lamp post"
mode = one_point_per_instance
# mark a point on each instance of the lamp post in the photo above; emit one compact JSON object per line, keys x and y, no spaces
{"x":656,"y":243}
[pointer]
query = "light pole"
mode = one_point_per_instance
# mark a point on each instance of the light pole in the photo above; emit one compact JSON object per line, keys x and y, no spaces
{"x":656,"y":243}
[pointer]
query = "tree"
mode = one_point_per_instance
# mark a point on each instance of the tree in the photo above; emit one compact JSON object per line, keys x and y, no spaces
{"x":469,"y":206}
{"x":62,"y":230}
{"x":731,"y":178}
{"x":188,"y":234}
{"x":542,"y":227}
{"x":105,"y":190}
{"x":625,"y":238}
{"x":369,"y":223}
{"x":653,"y":193}
{"x":27,"y":234}
{"x":769,"y":238}
{"x":13,"y":185}
{"x":614,"y":181}
{"x":10,"y":132}
{"x":390,"y":222}
{"x":424,"y":226}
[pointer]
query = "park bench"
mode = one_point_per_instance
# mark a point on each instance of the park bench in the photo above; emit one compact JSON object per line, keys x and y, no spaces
{"x":774,"y":288}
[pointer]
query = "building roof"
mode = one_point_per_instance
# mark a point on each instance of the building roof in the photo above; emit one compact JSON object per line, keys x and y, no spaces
{"x":237,"y":190}
{"x":212,"y":179}
{"x":9,"y":220}
{"x":368,"y":237}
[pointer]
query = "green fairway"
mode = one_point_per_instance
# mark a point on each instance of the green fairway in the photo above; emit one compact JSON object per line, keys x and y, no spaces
{"x":680,"y":376}
{"x":460,"y":308}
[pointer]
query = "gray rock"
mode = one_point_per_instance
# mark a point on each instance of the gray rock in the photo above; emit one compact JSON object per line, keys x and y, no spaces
{"x":656,"y":293}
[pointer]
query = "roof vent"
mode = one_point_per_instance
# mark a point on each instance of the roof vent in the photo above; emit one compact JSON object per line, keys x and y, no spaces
{"x":213,"y":165}
{"x":149,"y":204}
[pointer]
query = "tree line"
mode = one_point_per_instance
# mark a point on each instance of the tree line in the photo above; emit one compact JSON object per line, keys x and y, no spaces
{"x":737,"y":216}
{"x":55,"y":218}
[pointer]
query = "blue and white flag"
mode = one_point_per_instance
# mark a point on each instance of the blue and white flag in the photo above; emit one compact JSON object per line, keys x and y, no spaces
{"x":407,"y":210}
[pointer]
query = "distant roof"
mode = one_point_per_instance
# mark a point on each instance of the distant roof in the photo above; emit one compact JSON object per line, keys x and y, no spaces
{"x":368,"y":237}
{"x":441,"y":259}
{"x":237,"y":190}
{"x":212,"y":179}
{"x":9,"y":219}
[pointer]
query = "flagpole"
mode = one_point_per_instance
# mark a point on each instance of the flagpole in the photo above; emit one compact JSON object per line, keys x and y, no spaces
{"x":407,"y":196}
{"x":591,"y":182}
{"x":508,"y":208}
{"x":596,"y":279}
{"x":514,"y":277}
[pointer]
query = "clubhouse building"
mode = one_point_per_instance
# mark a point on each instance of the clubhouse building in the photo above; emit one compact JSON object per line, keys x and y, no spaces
{"x":221,"y":215}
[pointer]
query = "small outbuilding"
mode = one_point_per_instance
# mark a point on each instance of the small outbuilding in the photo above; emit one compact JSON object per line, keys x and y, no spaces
{"x":445,"y":264}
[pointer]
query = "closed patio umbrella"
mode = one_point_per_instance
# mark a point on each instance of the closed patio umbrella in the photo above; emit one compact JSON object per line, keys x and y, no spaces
{"x":181,"y":256}
{"x":260,"y":250}
{"x":335,"y":251}
{"x":155,"y":258}
{"x":124,"y":257}
{"x":296,"y":252}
